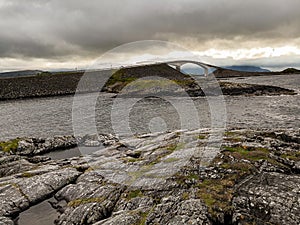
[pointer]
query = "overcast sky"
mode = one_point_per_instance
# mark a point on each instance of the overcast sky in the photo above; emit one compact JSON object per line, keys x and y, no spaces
{"x":49,"y":34}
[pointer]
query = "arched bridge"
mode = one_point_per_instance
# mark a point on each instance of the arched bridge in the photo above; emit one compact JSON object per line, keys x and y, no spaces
{"x":175,"y":63}
{"x":179,"y":63}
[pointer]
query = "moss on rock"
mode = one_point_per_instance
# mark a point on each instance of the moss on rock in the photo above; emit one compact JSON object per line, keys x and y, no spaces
{"x":9,"y":146}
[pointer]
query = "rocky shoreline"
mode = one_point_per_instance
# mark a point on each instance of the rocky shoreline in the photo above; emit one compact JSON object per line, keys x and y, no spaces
{"x":254,"y":179}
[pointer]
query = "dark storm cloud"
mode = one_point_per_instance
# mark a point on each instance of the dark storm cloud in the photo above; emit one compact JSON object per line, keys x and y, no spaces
{"x":58,"y":28}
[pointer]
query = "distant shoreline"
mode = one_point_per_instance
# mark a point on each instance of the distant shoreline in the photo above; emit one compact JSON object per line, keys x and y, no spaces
{"x":64,"y":84}
{"x":38,"y":86}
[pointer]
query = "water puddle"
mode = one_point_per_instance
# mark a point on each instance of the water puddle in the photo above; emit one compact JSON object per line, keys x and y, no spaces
{"x":73,"y":152}
{"x":43,"y":213}
{"x":40,"y":214}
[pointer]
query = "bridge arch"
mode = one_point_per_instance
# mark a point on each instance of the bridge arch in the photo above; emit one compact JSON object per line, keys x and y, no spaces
{"x":179,"y":63}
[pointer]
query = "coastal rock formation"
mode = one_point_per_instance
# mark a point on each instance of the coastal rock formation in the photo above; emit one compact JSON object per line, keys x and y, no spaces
{"x":164,"y":80}
{"x":20,"y":191}
{"x":253,"y":89}
{"x":268,"y":198}
{"x":6,"y":221}
{"x":39,"y":146}
{"x":163,"y":178}
{"x":36,"y":146}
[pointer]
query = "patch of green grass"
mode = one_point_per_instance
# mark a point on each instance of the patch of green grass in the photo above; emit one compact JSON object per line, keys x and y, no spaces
{"x":90,"y":169}
{"x":27,"y":174}
{"x":233,"y":139}
{"x":235,"y":149}
{"x":193,"y":176}
{"x":182,"y":179}
{"x":144,"y":216}
{"x":208,"y":199}
{"x":170,"y":160}
{"x":147,"y":84}
{"x":185,"y":196}
{"x":134,"y":194}
{"x":174,"y":147}
{"x":276,"y":163}
{"x":170,"y":149}
{"x":9,"y":146}
{"x":230,"y":133}
{"x":201,"y":137}
{"x":295,"y":156}
{"x":120,"y":76}
{"x":240,"y":166}
{"x":249,"y":153}
{"x":132,"y":159}
{"x":217,"y":194}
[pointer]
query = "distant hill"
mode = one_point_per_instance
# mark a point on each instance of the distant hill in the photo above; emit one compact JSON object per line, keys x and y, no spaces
{"x":247,"y":68}
{"x":291,"y":70}
{"x":21,"y":73}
